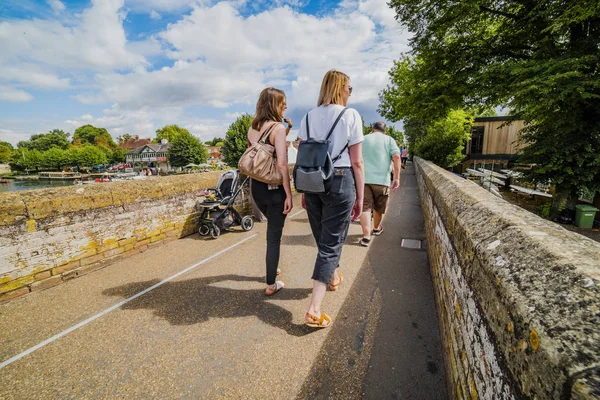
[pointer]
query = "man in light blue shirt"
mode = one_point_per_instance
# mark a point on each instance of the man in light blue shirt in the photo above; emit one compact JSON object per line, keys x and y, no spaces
{"x":380,"y":152}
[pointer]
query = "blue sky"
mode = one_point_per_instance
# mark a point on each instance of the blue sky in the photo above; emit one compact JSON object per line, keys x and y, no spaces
{"x":133,"y":66}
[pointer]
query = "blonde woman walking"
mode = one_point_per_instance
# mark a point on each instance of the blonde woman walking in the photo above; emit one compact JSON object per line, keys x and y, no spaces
{"x":329,"y":214}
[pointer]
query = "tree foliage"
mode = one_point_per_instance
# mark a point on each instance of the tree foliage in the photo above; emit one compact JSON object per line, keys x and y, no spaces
{"x":215,"y":142}
{"x":25,"y":160}
{"x":539,"y":58}
{"x":170,"y":133}
{"x":396,"y":135}
{"x":236,"y":140}
{"x":186,"y":148}
{"x":5,"y":151}
{"x":46,"y":141}
{"x":87,"y":156}
{"x":444,"y":140}
{"x":88,"y":134}
{"x":123,"y":138}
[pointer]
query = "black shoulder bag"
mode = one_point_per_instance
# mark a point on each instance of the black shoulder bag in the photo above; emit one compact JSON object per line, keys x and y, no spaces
{"x":313,"y":172}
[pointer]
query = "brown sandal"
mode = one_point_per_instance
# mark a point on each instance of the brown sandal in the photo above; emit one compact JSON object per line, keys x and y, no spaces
{"x":334,"y":286}
{"x":318,"y":322}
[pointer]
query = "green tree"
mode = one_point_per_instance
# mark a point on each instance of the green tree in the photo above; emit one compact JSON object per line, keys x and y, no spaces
{"x":236,"y":139}
{"x":169,"y":132}
{"x":539,"y":58}
{"x":123,"y":138}
{"x":25,"y":160}
{"x":117,"y":156}
{"x":215,"y":142}
{"x":88,"y":134}
{"x":55,"y":159}
{"x":396,"y":135}
{"x":444,"y":140}
{"x":186,"y":148}
{"x":88,"y":155}
{"x":5,"y":151}
{"x":46,"y":141}
{"x":366,"y":128}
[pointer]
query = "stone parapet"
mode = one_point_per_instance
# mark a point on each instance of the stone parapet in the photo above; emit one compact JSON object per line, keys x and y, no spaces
{"x":51,"y":235}
{"x":518,"y":296}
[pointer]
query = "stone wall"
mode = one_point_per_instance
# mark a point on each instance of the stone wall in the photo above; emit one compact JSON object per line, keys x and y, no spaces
{"x":48,"y":236}
{"x":518,"y":296}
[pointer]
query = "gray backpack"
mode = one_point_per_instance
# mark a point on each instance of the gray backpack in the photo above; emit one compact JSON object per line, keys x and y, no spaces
{"x":313,"y":172}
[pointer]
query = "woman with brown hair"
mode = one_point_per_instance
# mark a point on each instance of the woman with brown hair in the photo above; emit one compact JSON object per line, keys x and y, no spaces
{"x":329,"y":214}
{"x":274,"y":201}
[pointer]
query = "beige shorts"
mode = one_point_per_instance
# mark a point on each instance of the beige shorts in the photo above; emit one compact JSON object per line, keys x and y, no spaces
{"x":376,"y":198}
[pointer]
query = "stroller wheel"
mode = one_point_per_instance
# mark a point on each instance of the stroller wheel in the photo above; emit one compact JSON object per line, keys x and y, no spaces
{"x":204,"y":230}
{"x":215,"y":232}
{"x":247,"y":223}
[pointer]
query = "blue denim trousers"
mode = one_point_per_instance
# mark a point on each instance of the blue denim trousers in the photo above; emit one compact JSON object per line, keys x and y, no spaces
{"x":329,"y":217}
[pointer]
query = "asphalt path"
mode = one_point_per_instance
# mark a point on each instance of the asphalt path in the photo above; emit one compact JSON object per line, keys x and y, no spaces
{"x":189,"y":319}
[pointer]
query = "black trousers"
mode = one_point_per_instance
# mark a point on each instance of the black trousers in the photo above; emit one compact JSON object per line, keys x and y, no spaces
{"x":329,"y":217}
{"x":271,"y":204}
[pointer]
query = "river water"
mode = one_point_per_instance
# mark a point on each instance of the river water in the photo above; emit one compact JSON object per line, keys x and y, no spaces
{"x":30,"y":184}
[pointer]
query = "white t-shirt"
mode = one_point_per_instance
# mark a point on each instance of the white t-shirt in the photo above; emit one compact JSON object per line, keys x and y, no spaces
{"x":348,"y":130}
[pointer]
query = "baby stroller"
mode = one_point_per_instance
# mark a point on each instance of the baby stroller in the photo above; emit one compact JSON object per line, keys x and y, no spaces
{"x":218,"y":213}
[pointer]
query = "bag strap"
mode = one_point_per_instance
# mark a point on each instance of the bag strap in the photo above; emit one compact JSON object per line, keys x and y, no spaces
{"x":332,"y":127}
{"x":335,"y":123}
{"x":341,"y":152}
{"x":266,"y":133}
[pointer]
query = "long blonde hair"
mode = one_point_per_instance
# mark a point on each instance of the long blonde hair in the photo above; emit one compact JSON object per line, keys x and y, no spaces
{"x":332,"y":88}
{"x":268,"y":107}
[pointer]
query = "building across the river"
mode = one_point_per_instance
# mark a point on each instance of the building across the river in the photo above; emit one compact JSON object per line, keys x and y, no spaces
{"x":494,"y":140}
{"x":214,"y":154}
{"x":151,"y":155}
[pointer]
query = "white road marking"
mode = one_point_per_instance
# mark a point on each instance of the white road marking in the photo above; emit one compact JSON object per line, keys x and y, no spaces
{"x":100,"y":314}
{"x":299,"y":212}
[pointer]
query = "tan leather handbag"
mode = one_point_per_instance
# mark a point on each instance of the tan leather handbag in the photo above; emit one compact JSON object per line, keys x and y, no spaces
{"x":259,"y":161}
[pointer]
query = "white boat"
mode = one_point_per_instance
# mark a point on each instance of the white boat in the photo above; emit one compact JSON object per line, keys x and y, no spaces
{"x":475,"y":172}
{"x":530,"y":191}
{"x":493,"y":173}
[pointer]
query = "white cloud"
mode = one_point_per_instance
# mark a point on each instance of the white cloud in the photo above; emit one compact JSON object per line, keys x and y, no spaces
{"x":56,"y":5}
{"x":155,"y":15}
{"x":13,"y":136}
{"x":220,"y":57}
{"x":30,"y":75}
{"x":95,"y":41}
{"x":11,"y":94}
{"x":232,"y":115}
{"x":160,"y":5}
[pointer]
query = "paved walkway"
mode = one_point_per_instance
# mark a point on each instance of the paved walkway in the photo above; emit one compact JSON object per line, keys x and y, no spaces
{"x":190,"y":320}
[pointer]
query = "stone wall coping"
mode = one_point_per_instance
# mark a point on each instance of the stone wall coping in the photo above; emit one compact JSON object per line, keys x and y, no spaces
{"x":544,"y":308}
{"x":56,"y":202}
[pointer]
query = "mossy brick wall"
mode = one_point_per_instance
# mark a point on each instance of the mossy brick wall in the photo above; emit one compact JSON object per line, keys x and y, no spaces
{"x":518,"y":297}
{"x":51,"y":235}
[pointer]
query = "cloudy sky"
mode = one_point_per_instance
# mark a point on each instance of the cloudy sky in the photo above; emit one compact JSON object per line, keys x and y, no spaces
{"x":132,"y":66}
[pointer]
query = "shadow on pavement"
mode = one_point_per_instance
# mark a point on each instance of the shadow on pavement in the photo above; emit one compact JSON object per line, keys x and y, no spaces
{"x":340,"y":368}
{"x":384,"y":342}
{"x":195,"y":301}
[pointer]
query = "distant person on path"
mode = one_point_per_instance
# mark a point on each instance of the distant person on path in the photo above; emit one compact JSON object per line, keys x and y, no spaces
{"x":274,"y":201}
{"x":380,"y":152}
{"x":404,"y":157}
{"x":329,"y":214}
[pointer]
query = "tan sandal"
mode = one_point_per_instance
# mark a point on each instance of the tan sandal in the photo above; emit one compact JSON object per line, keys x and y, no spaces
{"x":334,"y":286}
{"x":318,"y":322}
